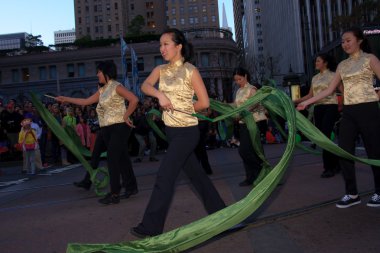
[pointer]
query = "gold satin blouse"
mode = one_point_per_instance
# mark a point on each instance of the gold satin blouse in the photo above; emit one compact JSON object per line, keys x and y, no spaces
{"x":111,"y":106}
{"x":175,"y":83}
{"x":357,"y":77}
{"x":243,"y":93}
{"x":319,"y":83}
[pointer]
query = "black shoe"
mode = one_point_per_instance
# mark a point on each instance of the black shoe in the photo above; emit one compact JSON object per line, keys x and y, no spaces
{"x":138,"y":160}
{"x":347,"y":201}
{"x":86,"y":184}
{"x":327,"y":174}
{"x":129,"y":193}
{"x":110,"y":199}
{"x":245,"y":183}
{"x":136,"y":232}
{"x":153,"y":159}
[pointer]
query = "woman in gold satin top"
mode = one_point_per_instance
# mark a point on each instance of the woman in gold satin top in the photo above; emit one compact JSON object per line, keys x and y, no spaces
{"x":326,"y":109}
{"x":361,"y":113}
{"x":251,"y":161}
{"x":115,"y":127}
{"x":178,"y":81}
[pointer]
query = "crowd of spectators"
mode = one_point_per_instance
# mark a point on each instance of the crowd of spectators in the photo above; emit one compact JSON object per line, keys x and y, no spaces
{"x":85,"y":123}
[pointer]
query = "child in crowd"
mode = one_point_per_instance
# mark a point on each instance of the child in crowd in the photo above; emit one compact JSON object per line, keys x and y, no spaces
{"x":28,"y":139}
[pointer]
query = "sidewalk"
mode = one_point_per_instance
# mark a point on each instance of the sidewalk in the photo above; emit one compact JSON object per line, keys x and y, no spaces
{"x":45,"y":213}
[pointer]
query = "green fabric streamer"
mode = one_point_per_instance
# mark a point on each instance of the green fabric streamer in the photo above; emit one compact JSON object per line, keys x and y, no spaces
{"x":190,"y":235}
{"x":56,"y":128}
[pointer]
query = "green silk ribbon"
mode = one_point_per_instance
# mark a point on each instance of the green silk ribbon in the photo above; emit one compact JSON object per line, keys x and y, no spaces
{"x":190,"y":235}
{"x":68,"y":137}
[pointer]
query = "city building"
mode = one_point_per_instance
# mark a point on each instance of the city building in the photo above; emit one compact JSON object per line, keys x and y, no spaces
{"x":73,"y":72}
{"x":192,"y":14}
{"x":111,"y":18}
{"x":287,"y":35}
{"x":65,"y":36}
{"x":13,"y":41}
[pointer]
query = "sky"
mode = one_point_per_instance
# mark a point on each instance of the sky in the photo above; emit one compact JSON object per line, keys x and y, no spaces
{"x":43,"y":17}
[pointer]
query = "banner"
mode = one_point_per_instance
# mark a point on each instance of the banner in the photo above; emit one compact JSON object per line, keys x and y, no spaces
{"x":124,"y":69}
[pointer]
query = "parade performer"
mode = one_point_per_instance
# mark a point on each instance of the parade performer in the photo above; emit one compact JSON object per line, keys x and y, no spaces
{"x":325,"y":110}
{"x":178,"y":81}
{"x":361,"y":113}
{"x":115,"y":126}
{"x":252,"y":162}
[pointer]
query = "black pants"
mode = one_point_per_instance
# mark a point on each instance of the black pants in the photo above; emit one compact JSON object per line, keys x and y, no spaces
{"x":200,"y":149}
{"x":252,"y":162}
{"x":363,"y":119}
{"x":325,"y":117}
{"x":115,"y":139}
{"x":180,"y":155}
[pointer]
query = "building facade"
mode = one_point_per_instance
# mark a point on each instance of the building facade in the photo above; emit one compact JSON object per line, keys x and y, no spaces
{"x":13,"y":41}
{"x":192,"y":14}
{"x":73,"y":73}
{"x":289,"y":34}
{"x":111,"y":18}
{"x":65,"y":36}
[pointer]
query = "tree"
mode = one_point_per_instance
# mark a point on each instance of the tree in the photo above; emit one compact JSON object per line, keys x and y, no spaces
{"x":33,"y":41}
{"x":365,"y":14}
{"x":261,"y":68}
{"x":136,"y":25}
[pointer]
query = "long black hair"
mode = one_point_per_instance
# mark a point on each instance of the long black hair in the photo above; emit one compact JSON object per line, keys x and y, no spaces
{"x":108,"y":68}
{"x":242,"y":72}
{"x":358,"y":33}
{"x":329,"y":59}
{"x":179,"y":38}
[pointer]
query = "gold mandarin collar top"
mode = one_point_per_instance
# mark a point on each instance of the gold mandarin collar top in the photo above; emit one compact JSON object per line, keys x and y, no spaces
{"x":175,"y":83}
{"x":319,"y":83}
{"x":111,"y":106}
{"x":243,"y":93}
{"x":357,"y":77}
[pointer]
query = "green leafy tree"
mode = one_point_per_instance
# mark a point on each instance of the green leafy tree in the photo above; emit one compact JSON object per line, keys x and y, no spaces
{"x":136,"y":25}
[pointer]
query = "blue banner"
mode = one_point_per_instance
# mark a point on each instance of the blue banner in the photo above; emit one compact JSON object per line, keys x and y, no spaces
{"x":135,"y":75}
{"x":124,"y":49}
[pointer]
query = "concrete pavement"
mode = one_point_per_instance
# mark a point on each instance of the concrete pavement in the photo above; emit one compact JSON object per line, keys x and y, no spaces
{"x":45,"y":212}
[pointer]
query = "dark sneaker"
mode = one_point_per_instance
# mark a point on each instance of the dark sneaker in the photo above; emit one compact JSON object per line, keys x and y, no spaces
{"x":129,"y":193}
{"x":347,"y":201}
{"x":110,"y":199}
{"x":245,"y":183}
{"x":138,"y":233}
{"x":153,"y":159}
{"x":327,"y":174}
{"x":86,"y":184}
{"x":374,"y":201}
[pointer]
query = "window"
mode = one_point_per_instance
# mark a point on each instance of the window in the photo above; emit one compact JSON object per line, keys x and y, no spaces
{"x":42,"y":73}
{"x":213,"y":18}
{"x":116,"y":6}
{"x":174,"y":22}
{"x":109,"y":28}
{"x":52,"y":72}
{"x":70,"y":70}
{"x":140,"y":64}
{"x":25,"y":74}
{"x":158,"y":60}
{"x":173,"y":11}
{"x":204,"y":19}
{"x":205,"y":59}
{"x":132,"y":7}
{"x":15,"y":76}
{"x":182,"y":21}
{"x":81,"y":70}
{"x":191,"y":20}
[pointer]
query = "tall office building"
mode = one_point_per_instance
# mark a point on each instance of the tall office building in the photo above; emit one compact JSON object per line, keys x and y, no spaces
{"x":64,"y":36}
{"x":13,"y":41}
{"x":290,"y":33}
{"x":238,"y":8}
{"x":111,"y":18}
{"x":192,"y":14}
